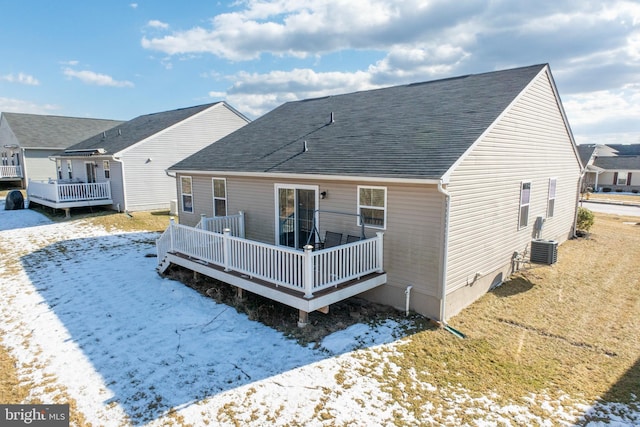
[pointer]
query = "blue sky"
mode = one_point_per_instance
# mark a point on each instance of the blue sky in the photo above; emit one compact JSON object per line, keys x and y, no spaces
{"x":121,"y":59}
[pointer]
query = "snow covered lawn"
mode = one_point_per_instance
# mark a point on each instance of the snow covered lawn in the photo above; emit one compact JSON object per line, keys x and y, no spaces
{"x":92,"y":324}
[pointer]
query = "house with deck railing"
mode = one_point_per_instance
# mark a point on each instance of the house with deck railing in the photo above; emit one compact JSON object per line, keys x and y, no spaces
{"x":28,"y":140}
{"x":124,"y":168}
{"x":421,"y":196}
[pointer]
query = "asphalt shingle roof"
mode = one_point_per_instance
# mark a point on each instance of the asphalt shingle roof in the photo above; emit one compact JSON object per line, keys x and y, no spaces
{"x":411,"y":131}
{"x":585,"y":152}
{"x":136,"y":130}
{"x":619,"y":162}
{"x":54,"y":132}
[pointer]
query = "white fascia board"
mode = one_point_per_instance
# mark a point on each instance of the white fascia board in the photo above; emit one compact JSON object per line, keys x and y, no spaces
{"x":424,"y":181}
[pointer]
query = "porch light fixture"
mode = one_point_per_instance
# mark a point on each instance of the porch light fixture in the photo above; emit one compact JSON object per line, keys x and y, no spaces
{"x":323,"y":195}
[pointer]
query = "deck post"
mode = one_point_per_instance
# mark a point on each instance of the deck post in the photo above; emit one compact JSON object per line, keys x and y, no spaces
{"x":226,"y":249}
{"x":241,"y":225}
{"x":203,"y":219}
{"x":303,"y":318}
{"x":380,"y":251}
{"x":307,"y":271}
{"x":171,"y":224}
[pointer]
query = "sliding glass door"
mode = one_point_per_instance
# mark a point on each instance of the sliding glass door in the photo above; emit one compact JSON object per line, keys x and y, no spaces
{"x":295,"y":206}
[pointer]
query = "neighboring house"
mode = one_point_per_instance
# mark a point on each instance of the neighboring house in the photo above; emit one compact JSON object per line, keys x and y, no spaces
{"x":125,"y":166}
{"x":28,"y":140}
{"x":448,"y":180}
{"x":611,"y":167}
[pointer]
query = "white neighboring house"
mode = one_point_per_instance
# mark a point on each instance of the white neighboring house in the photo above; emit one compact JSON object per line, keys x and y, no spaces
{"x":611,"y":167}
{"x":28,"y":140}
{"x":125,"y":167}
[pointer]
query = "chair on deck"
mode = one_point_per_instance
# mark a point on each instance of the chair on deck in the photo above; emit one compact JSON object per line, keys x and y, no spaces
{"x":351,"y":238}
{"x":332,"y":239}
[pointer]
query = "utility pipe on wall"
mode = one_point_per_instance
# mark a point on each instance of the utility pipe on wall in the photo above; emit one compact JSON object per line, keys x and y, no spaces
{"x":407,"y":294}
{"x":445,"y":251}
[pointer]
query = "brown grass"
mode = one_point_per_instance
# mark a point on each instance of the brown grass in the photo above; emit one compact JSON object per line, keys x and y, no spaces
{"x":614,"y":197}
{"x":111,"y":220}
{"x":571,"y":327}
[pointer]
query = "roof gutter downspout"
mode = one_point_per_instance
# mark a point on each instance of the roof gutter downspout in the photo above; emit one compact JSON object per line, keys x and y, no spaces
{"x":124,"y":184}
{"x":445,"y":251}
{"x":574,"y":233}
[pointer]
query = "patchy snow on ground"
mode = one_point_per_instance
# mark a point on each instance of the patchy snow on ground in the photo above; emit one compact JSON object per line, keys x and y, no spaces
{"x":91,"y":323}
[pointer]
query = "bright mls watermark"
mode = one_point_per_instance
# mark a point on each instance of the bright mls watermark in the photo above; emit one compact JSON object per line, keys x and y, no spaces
{"x":34,"y":415}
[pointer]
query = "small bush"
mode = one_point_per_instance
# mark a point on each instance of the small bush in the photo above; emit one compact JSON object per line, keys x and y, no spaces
{"x":585,"y":219}
{"x":634,"y":191}
{"x":618,"y":190}
{"x":606,"y":189}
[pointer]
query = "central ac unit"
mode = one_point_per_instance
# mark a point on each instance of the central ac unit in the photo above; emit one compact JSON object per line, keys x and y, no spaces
{"x":544,"y":251}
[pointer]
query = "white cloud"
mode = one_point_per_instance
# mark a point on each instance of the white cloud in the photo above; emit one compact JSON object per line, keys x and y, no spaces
{"x":22,"y":106}
{"x":300,"y":29}
{"x":21,"y":78}
{"x":154,"y":23}
{"x":605,"y":116}
{"x":255,"y":94}
{"x":89,"y":77}
{"x":133,"y":5}
{"x":71,"y":63}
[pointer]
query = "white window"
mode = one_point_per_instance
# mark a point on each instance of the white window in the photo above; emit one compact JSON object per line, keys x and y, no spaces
{"x":187,"y":194}
{"x":551,"y":202}
{"x":107,"y":169}
{"x":59,"y":168}
{"x":525,"y":198}
{"x":219,"y":196}
{"x":372,"y":206}
{"x":621,"y":178}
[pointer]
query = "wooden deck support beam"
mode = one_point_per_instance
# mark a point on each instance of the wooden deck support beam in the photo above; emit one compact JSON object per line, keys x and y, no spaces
{"x":303,"y":318}
{"x":239,"y":294}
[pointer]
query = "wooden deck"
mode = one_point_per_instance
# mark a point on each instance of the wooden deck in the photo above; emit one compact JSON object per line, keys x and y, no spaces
{"x":62,"y":195}
{"x":307,"y":280}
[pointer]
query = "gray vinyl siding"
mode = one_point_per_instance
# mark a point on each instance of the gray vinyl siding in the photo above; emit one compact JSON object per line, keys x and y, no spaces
{"x":412,"y":239}
{"x":529,"y":143}
{"x":148,"y":187}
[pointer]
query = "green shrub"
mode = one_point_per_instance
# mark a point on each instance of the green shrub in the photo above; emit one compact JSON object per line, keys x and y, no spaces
{"x":585,"y":219}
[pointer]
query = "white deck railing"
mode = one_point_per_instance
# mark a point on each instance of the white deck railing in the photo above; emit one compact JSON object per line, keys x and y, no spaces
{"x":218,"y":224}
{"x":306,"y":271}
{"x":72,"y":192}
{"x":10,"y":172}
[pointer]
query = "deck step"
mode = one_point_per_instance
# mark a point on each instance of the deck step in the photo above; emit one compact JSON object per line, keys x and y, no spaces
{"x":163,"y":265}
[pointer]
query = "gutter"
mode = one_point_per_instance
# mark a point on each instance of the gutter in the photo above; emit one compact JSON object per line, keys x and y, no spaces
{"x":445,"y":250}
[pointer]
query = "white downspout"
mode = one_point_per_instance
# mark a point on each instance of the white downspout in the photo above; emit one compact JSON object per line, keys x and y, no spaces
{"x":407,"y":294}
{"x":124,"y":185}
{"x":445,"y":251}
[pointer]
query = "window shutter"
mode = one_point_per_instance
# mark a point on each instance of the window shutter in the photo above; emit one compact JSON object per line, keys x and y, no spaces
{"x":615,"y":178}
{"x":629,"y":178}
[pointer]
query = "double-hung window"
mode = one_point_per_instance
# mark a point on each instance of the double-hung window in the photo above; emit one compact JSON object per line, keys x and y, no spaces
{"x":525,"y":199}
{"x":186,"y":192}
{"x":372,"y":206}
{"x":551,"y":202}
{"x":107,"y":169}
{"x":219,"y":196}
